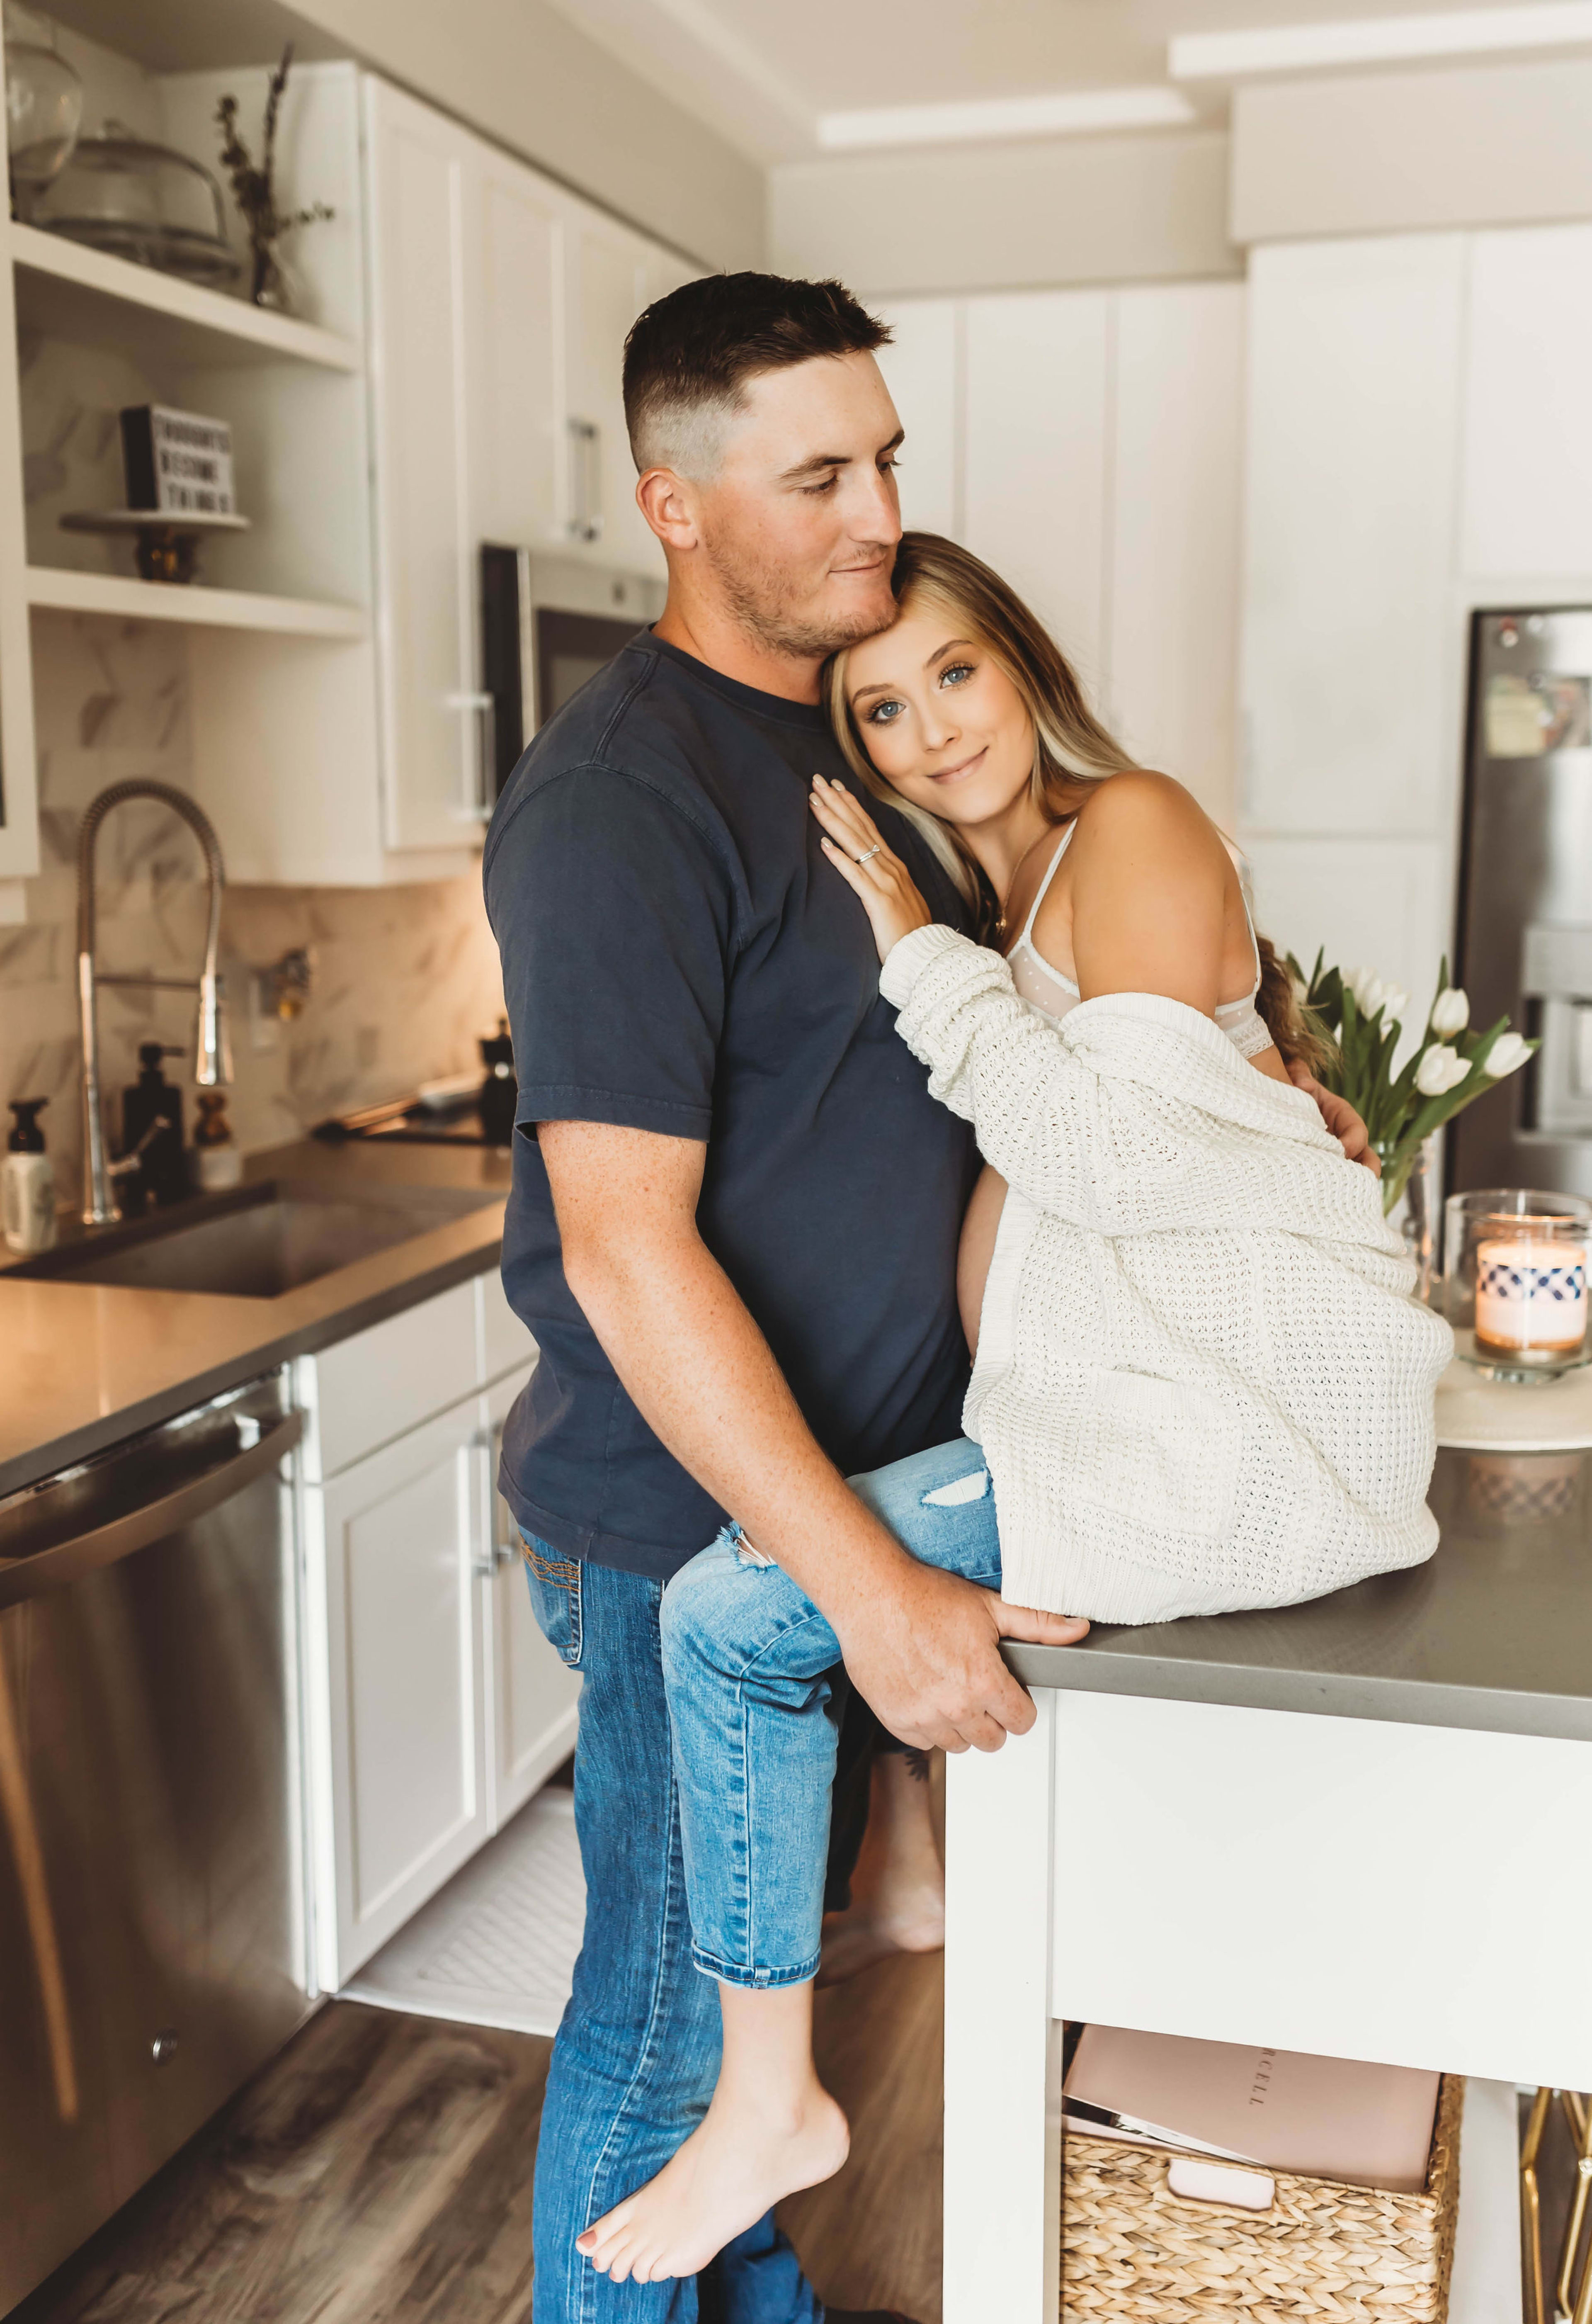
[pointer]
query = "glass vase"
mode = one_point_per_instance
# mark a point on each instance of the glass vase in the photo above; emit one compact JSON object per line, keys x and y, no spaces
{"x":1416,"y":1224}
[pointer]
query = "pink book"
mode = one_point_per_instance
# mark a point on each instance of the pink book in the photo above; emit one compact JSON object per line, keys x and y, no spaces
{"x":1314,"y":2118}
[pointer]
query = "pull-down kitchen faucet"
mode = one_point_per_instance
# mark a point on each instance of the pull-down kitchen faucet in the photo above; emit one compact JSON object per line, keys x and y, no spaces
{"x":213,"y":1057}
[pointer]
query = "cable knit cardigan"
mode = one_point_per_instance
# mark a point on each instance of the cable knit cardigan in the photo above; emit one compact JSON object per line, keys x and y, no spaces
{"x":1201,"y":1382}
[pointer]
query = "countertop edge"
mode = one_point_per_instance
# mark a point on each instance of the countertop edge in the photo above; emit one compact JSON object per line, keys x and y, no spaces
{"x":304,"y":1340}
{"x":1331,"y":1694}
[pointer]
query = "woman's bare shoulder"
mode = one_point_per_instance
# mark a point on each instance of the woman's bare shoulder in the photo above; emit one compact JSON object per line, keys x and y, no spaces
{"x":1143,"y":804}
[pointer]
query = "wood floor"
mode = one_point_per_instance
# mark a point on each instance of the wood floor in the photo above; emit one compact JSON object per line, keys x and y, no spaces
{"x":378,"y":2171}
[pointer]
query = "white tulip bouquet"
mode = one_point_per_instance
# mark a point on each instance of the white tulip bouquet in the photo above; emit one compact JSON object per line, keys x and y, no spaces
{"x":1363,"y":1018}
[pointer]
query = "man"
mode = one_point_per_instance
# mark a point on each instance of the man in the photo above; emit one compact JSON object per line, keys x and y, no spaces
{"x":735,"y":1209}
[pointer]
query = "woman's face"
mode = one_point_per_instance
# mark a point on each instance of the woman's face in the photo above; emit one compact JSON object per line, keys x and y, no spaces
{"x":941,"y":719}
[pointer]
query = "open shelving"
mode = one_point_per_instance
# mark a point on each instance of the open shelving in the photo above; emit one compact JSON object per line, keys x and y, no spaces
{"x":65,"y":290}
{"x":63,"y":590}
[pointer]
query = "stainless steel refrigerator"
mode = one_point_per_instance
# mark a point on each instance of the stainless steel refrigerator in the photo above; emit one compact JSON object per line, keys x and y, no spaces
{"x":1525,"y":896}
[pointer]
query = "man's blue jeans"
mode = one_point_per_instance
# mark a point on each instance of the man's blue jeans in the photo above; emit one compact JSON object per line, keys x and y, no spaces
{"x":636,"y":2053}
{"x":749,"y":1662}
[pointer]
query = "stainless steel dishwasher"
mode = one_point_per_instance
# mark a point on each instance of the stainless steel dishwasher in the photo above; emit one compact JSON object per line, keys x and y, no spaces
{"x":152,"y":1939}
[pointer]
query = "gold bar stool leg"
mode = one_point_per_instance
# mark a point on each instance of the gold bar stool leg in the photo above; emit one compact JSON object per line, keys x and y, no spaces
{"x":1530,"y":2207}
{"x":1579,"y":2117}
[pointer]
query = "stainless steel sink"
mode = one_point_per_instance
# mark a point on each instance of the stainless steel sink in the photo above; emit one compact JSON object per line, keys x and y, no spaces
{"x":259,"y":1242}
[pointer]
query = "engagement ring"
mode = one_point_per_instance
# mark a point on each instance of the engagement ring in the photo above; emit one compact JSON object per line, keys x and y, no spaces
{"x":869,"y":854}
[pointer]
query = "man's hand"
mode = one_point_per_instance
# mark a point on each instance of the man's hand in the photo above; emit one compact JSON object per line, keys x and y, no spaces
{"x":1340,"y":1118}
{"x":924,"y":1655}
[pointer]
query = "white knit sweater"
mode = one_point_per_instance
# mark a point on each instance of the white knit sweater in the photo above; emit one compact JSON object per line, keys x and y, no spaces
{"x":1202,"y":1381}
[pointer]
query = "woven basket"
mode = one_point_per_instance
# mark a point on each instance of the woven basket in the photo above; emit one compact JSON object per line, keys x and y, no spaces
{"x":1131,"y":2249}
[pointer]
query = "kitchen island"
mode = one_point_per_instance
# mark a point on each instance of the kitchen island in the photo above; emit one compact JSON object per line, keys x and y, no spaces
{"x":1356,"y":1827}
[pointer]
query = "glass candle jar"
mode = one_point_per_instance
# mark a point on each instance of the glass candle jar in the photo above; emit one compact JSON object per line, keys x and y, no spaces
{"x":1531,"y":1289}
{"x":1515,"y":1279}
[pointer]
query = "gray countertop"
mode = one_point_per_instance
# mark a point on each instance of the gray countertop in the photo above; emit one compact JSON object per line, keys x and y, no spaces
{"x":1494,"y":1633}
{"x":83,"y":1365}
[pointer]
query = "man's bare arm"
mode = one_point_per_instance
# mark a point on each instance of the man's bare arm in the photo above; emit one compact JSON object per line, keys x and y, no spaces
{"x":919,"y":1644}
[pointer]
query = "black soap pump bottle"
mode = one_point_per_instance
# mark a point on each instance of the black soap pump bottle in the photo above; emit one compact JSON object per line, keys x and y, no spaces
{"x":152,"y":1103}
{"x":499,"y":1092}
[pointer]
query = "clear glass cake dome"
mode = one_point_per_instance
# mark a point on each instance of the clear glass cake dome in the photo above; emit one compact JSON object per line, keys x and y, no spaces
{"x":119,"y":193}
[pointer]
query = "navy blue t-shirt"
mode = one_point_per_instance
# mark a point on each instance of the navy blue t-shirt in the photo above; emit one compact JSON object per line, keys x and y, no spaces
{"x":679,"y":956}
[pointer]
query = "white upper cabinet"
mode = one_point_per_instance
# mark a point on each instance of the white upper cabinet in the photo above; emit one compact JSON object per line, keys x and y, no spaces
{"x":512,"y":259}
{"x":1037,"y":444}
{"x":419,"y":165}
{"x":605,"y":287}
{"x":1353,"y":422}
{"x":1171,"y":590}
{"x":1528,"y":435}
{"x":921,"y":368}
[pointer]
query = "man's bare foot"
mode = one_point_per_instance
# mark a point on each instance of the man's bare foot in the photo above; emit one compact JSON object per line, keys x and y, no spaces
{"x":898,"y":1888}
{"x":854,"y":1940}
{"x":739,"y":2162}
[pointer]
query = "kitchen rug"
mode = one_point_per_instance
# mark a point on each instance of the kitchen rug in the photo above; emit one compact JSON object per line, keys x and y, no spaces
{"x":497,"y":1946}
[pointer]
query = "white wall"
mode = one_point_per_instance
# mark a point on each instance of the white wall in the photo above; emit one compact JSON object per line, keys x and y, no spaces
{"x":1066,"y":210}
{"x":1380,"y":152}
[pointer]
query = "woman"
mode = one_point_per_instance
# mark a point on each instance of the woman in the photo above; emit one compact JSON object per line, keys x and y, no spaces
{"x":1200,"y":1381}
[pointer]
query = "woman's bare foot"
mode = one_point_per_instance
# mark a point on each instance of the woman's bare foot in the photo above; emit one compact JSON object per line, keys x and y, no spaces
{"x":772,"y":2127}
{"x":898,"y":1888}
{"x":735,"y":2165}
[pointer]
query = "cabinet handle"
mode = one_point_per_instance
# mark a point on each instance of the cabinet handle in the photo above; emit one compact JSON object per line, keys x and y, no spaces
{"x":585,"y":480}
{"x":475,"y":802}
{"x":496,"y":1552}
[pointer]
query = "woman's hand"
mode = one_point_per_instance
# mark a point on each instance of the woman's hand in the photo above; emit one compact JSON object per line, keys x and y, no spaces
{"x":1340,"y":1118}
{"x":852,"y":844}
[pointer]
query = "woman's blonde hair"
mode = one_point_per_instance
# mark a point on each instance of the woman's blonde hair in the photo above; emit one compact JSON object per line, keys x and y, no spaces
{"x":1070,"y":746}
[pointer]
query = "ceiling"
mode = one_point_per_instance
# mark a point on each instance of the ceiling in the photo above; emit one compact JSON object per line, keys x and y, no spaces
{"x":763,"y":72}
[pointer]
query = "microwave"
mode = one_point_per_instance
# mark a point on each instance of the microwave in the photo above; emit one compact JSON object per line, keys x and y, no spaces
{"x":548,"y":623}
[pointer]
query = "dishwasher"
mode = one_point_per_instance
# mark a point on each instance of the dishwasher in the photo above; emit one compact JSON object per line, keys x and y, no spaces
{"x":154,"y":1939}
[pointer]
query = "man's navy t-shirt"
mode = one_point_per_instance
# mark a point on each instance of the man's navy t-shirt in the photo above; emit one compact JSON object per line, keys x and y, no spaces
{"x":679,"y":956}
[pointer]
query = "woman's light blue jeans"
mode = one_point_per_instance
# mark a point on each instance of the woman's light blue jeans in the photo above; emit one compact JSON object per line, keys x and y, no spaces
{"x":750,"y":1671}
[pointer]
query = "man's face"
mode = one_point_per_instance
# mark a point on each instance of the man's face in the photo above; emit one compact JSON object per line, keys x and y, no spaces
{"x":798,"y":526}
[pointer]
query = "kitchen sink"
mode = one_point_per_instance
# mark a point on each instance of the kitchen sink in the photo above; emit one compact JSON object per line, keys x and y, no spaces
{"x":259,"y":1242}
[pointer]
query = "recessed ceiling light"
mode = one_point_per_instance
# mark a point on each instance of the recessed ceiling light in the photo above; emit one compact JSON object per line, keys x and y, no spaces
{"x":1379,"y":39}
{"x":1066,"y":113}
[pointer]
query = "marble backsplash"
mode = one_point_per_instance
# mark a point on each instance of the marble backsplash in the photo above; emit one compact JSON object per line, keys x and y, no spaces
{"x":406,"y":977}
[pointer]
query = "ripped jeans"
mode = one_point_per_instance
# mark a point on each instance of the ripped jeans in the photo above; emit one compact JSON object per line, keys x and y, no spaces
{"x":755,"y":1693}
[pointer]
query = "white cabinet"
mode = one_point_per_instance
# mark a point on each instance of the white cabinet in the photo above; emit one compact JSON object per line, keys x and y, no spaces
{"x":435,"y":1706}
{"x":1088,"y":445}
{"x":1036,"y":454}
{"x":1375,"y":903}
{"x":534,"y":1694}
{"x":410,"y":1796}
{"x":512,"y":264}
{"x":921,"y":368}
{"x":605,"y":287}
{"x":1171,"y":590}
{"x":419,"y":164}
{"x":1354,"y":421}
{"x":1528,"y":428}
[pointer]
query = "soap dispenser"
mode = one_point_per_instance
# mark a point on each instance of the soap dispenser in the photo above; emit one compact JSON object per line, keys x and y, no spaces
{"x":27,"y":1182}
{"x":499,"y":1092}
{"x":147,"y":1103}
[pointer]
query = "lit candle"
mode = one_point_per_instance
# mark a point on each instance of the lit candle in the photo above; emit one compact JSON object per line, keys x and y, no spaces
{"x":1531,"y":1292}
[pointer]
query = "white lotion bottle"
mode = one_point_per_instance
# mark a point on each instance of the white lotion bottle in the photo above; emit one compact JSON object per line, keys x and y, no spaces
{"x":27,"y":1181}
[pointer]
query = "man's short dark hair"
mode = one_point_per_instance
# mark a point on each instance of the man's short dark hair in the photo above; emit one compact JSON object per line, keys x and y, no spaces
{"x":689,"y":356}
